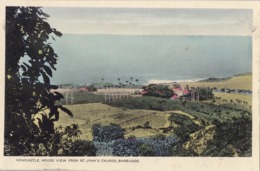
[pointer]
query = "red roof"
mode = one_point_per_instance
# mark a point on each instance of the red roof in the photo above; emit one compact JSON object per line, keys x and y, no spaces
{"x":174,"y":97}
{"x":177,"y":89}
{"x":186,"y":91}
{"x":143,"y":92}
{"x":84,"y":89}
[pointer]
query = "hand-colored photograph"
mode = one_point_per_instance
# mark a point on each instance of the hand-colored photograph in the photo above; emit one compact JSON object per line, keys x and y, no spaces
{"x":148,"y":82}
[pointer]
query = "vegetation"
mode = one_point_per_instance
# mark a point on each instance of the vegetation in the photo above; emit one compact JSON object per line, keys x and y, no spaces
{"x":232,"y":138}
{"x":30,"y":60}
{"x":213,"y":79}
{"x":148,"y":102}
{"x":83,"y":98}
{"x":205,"y":111}
{"x":243,"y":82}
{"x":107,"y":133}
{"x":155,"y":90}
{"x":204,"y":93}
{"x":33,"y":107}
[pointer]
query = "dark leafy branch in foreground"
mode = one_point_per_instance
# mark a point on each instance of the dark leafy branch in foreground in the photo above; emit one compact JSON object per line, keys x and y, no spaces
{"x":30,"y":108}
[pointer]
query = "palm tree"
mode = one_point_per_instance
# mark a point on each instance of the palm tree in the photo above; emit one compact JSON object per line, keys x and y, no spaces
{"x":136,"y":80}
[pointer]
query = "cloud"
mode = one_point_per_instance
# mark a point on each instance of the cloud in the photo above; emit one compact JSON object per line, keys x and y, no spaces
{"x":134,"y":21}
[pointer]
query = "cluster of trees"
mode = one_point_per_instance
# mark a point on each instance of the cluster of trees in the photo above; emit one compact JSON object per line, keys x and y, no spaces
{"x":158,"y":90}
{"x":120,"y":84}
{"x":232,"y":137}
{"x":204,"y":93}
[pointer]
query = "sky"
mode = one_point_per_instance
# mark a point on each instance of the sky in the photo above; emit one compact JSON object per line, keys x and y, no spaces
{"x":165,"y":44}
{"x":151,"y":21}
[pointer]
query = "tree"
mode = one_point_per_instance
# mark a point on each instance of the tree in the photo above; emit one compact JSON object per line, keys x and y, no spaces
{"x":118,"y":79}
{"x":30,"y":99}
{"x":136,"y":80}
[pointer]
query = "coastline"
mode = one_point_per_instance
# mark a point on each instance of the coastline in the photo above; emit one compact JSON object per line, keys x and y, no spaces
{"x":155,"y":81}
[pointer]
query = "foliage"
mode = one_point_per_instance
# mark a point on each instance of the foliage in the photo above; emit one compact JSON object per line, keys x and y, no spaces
{"x":117,"y":145}
{"x":104,"y":148}
{"x":202,"y":110}
{"x":125,"y":147}
{"x":107,"y":133}
{"x":147,"y":102}
{"x":233,"y":136}
{"x":204,"y":93}
{"x":146,"y":150}
{"x":92,"y":88}
{"x":30,"y":60}
{"x":155,"y":90}
{"x":185,"y":128}
{"x":180,"y":151}
{"x":161,"y":145}
{"x":180,"y":119}
{"x":82,"y":148}
{"x":60,"y":143}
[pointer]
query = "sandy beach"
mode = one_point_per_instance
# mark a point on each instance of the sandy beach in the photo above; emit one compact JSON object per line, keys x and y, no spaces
{"x":153,"y":81}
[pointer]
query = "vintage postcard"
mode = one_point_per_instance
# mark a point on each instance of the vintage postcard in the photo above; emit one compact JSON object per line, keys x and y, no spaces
{"x":129,"y":85}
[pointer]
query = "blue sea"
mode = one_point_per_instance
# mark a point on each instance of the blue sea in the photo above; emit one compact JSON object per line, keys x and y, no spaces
{"x":89,"y":58}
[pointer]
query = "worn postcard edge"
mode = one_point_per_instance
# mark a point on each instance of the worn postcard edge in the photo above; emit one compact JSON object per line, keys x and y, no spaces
{"x":145,"y":163}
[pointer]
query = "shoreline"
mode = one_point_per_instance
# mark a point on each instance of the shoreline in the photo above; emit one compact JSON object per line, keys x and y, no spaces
{"x":155,"y":81}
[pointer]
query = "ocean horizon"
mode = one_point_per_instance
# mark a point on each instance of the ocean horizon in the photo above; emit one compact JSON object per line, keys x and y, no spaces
{"x":89,"y":58}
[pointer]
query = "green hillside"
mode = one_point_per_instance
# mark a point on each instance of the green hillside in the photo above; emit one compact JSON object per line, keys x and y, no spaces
{"x":237,"y":82}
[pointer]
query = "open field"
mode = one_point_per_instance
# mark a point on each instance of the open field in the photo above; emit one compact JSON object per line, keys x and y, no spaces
{"x":238,"y":82}
{"x":245,"y":99}
{"x":196,"y":123}
{"x":86,"y":115}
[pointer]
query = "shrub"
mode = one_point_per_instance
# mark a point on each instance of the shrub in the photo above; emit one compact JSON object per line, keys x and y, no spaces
{"x":104,"y":148}
{"x":160,"y":145}
{"x":82,"y":148}
{"x":148,"y":102}
{"x":125,"y":147}
{"x":162,"y":91}
{"x":231,"y":136}
{"x":107,"y":133}
{"x":146,"y":150}
{"x":178,"y":150}
{"x":180,"y":119}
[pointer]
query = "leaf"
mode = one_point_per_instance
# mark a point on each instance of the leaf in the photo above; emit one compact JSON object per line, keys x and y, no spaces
{"x":48,"y":70}
{"x":53,"y":87}
{"x":46,"y":79}
{"x":57,"y":115}
{"x":59,"y":95}
{"x":57,"y":33}
{"x":52,"y":66}
{"x":66,"y":110}
{"x":45,"y":15}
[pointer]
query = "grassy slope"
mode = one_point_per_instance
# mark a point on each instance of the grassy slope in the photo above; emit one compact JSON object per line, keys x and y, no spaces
{"x":237,"y":82}
{"x":86,"y":115}
{"x":233,"y":97}
{"x":198,"y":140}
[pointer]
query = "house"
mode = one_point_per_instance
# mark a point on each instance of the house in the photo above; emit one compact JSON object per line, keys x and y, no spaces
{"x":174,"y":97}
{"x":179,"y":93}
{"x":143,"y":92}
{"x":84,"y":89}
